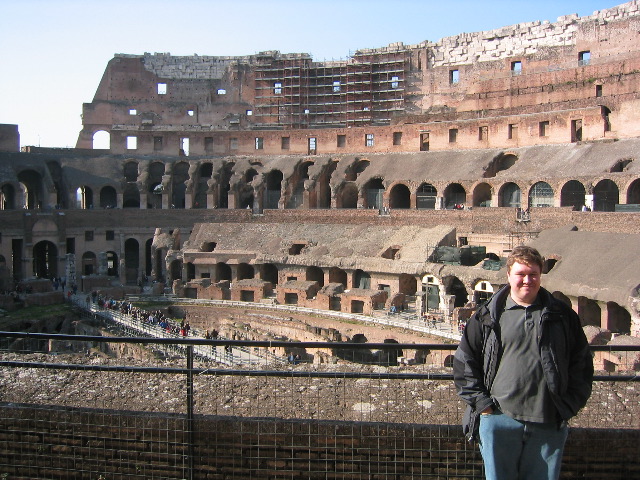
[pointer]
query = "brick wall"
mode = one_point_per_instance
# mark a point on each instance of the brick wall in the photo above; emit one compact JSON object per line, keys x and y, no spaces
{"x":56,"y":442}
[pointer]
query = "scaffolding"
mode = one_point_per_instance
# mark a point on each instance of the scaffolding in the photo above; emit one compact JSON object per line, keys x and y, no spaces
{"x":292,"y":91}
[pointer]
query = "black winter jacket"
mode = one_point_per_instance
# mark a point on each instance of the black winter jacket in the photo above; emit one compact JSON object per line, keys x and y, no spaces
{"x":566,"y":359}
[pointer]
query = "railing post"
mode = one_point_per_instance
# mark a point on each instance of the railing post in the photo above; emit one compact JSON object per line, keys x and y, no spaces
{"x":190,"y":422}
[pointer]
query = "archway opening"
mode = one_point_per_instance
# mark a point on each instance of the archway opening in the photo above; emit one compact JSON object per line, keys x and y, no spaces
{"x":108,"y":197}
{"x":426,"y":197}
{"x":455,"y":196}
{"x":572,"y":195}
{"x":131,"y":260}
{"x":45,"y":259}
{"x":605,"y":196}
{"x":315,"y":274}
{"x":510,"y":195}
{"x":541,"y":195}
{"x":400,"y":197}
{"x":482,"y":195}
{"x":101,"y":140}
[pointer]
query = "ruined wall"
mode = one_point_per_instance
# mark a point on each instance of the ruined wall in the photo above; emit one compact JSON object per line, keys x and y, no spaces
{"x":9,"y":138}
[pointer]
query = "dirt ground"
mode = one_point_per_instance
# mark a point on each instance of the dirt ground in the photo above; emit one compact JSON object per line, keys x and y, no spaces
{"x":338,"y":390}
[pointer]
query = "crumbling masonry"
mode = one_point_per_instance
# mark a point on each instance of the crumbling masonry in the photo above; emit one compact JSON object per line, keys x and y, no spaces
{"x":272,"y":177}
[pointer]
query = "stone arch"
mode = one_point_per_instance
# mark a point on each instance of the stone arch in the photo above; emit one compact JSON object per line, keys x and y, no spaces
{"x":273,"y":190}
{"x":338,"y":275}
{"x":89,"y":263}
{"x":482,"y":194}
{"x":315,"y":274}
{"x":573,"y":194}
{"x":454,"y":286}
{"x":223,"y":272}
{"x":205,"y":172}
{"x":605,"y":196}
{"x":348,"y":196}
{"x":7,"y":197}
{"x":224,"y":185}
{"x":245,"y":271}
{"x":84,"y":198}
{"x":296,"y":193}
{"x":482,"y":291}
{"x":510,"y":195}
{"x":132,"y":261}
{"x":101,"y":140}
{"x":633,"y":192}
{"x":131,"y":196}
{"x":246,"y":193}
{"x":618,"y":319}
{"x":430,"y":293}
{"x":108,"y":197}
{"x":373,"y":193}
{"x":454,"y":194}
{"x":323,"y":185}
{"x":400,"y":196}
{"x":45,"y":259}
{"x":426,"y":197}
{"x":589,"y":312}
{"x":33,"y":188}
{"x":540,"y":195}
{"x":155,"y":188}
{"x":130,"y":171}
{"x":179,"y":184}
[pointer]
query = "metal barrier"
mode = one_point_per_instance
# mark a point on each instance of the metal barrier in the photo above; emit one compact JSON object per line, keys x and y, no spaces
{"x":116,"y":407}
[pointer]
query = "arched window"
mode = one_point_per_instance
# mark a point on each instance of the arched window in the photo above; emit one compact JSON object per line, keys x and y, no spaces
{"x":101,"y":140}
{"x":510,"y":196}
{"x":426,"y":197}
{"x":541,"y":195}
{"x":400,"y":197}
{"x":572,"y":194}
{"x":605,"y":196}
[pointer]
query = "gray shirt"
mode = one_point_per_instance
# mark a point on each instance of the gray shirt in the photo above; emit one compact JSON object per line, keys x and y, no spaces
{"x":519,"y":389}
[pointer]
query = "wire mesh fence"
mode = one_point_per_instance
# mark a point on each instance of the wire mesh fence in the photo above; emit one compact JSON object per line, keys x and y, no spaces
{"x":91,"y":407}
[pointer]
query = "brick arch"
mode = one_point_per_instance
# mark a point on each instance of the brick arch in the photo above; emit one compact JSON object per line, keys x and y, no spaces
{"x":572,"y":193}
{"x":399,"y":195}
{"x":515,"y":197}
{"x":482,"y":194}
{"x":632,"y":190}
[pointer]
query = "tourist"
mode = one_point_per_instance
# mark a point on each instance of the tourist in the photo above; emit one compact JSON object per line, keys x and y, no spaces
{"x":524,"y":368}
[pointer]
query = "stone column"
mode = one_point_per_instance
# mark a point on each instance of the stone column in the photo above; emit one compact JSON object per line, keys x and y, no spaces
{"x":70,"y":270}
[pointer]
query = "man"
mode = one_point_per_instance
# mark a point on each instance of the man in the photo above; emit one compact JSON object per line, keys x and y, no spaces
{"x":524,"y":368}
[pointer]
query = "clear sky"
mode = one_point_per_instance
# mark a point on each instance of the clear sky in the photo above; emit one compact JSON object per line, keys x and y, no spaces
{"x":53,"y":52}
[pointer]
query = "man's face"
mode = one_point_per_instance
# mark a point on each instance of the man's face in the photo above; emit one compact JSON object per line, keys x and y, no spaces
{"x":524,"y":281}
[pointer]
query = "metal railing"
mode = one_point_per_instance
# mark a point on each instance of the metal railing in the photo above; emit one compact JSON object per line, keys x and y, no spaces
{"x":85,"y":406}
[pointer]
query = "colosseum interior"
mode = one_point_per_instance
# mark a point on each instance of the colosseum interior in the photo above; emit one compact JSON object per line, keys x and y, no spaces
{"x":401,"y":176}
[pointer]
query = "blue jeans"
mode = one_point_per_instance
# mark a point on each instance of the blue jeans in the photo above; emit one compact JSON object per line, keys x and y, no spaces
{"x":517,"y":450}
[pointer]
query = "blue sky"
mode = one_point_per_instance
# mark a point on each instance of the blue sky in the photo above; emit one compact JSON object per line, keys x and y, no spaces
{"x":53,"y":52}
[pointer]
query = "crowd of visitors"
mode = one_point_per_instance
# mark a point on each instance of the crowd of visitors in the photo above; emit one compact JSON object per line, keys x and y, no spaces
{"x":146,"y":317}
